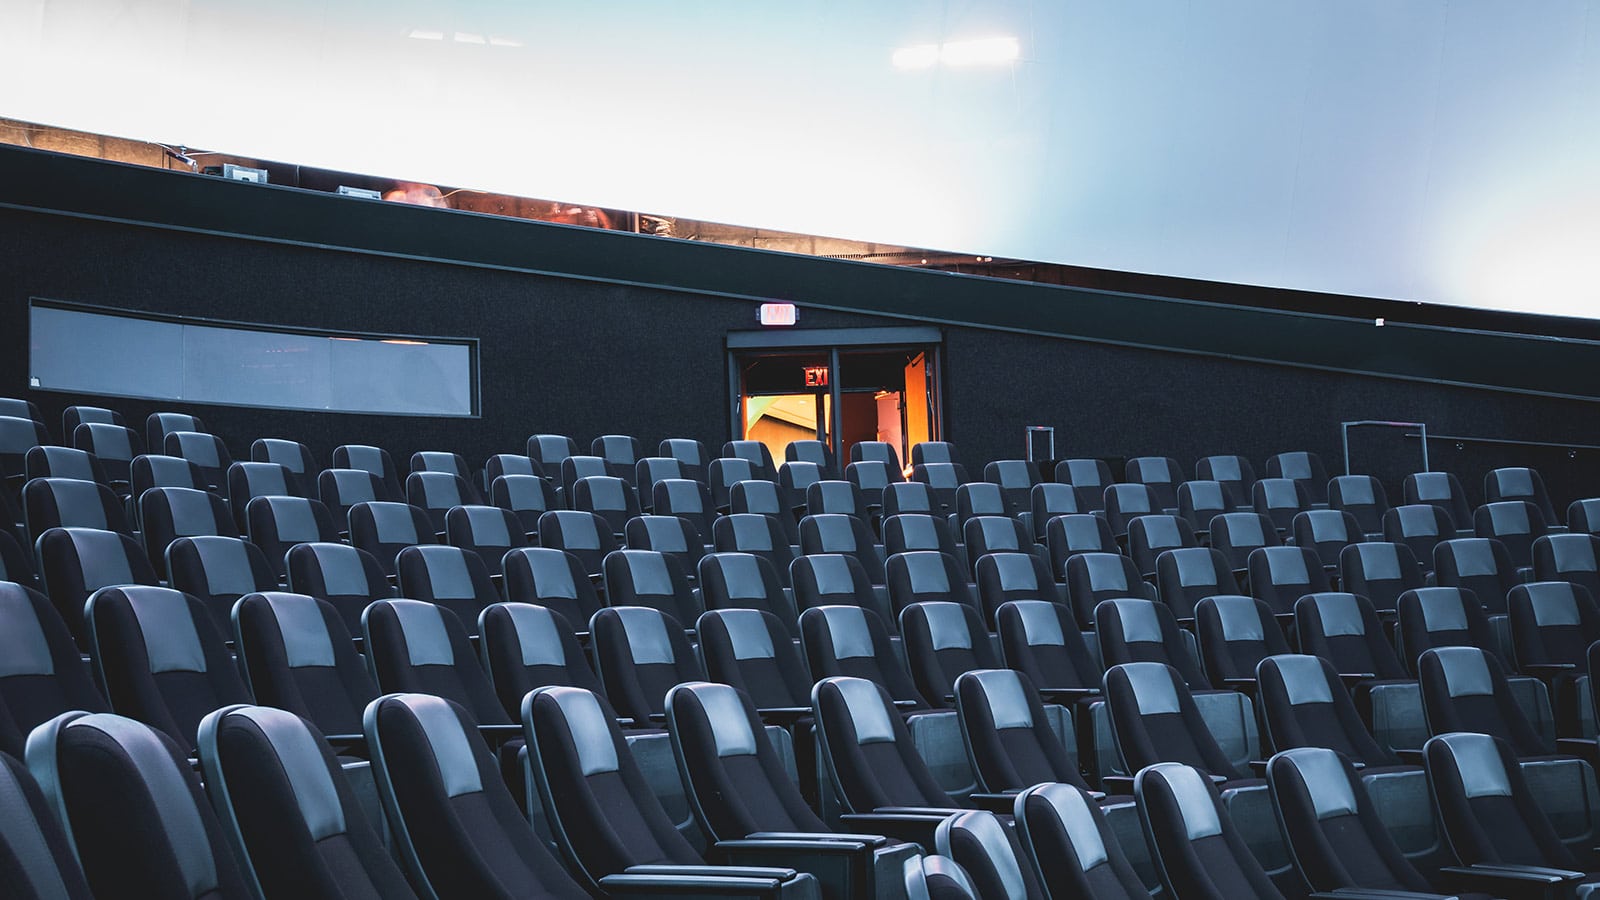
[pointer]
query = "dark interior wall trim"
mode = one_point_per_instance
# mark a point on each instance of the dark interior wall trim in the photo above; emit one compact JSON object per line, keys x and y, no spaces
{"x":1561,"y":362}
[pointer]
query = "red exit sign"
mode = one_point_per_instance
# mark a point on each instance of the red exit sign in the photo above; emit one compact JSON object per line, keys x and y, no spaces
{"x":816,"y":376}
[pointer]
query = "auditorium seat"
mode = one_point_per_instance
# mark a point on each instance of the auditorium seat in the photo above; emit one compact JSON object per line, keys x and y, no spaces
{"x":730,"y":581}
{"x":40,"y":861}
{"x":69,"y":503}
{"x":1568,"y":557}
{"x":1005,"y":577}
{"x":1552,"y":625}
{"x":64,"y":462}
{"x":647,"y":470}
{"x":834,"y":579}
{"x":114,"y":446}
{"x":297,"y":655}
{"x":206,"y":451}
{"x":442,"y":461}
{"x":283,"y":796}
{"x":1327,"y":531}
{"x":751,"y":650}
{"x":850,"y":641}
{"x":647,"y":578}
{"x":1420,"y":527}
{"x":171,"y":513}
{"x":1464,"y":689}
{"x":457,"y":829}
{"x":640,"y":652}
{"x":934,"y":877}
{"x":346,"y":577}
{"x":384,"y":528}
{"x":160,"y":658}
{"x":1149,"y":536}
{"x":1161,"y":475}
{"x":837,"y":498}
{"x":1235,"y":634}
{"x":1583,"y":516}
{"x":1089,"y":477}
{"x":375,"y":460}
{"x":906,"y":532}
{"x":686,"y":499}
{"x":795,"y":479}
{"x":1187,"y":575}
{"x":817,"y":453}
{"x":765,"y":498}
{"x":488,"y":531}
{"x":583,"y":534}
{"x":672,"y":535}
{"x":1095,"y":577}
{"x":1304,"y":704}
{"x":419,"y":648}
{"x":691,"y":455}
{"x":1514,"y":523}
{"x":880,"y":451}
{"x":1519,"y":484}
{"x":944,"y":480}
{"x":76,"y":562}
{"x":724,"y":473}
{"x":158,"y":425}
{"x":1007,"y":734}
{"x":293,"y":455}
{"x":1048,"y":500}
{"x":1344,"y":629}
{"x":1016,"y":478}
{"x":1067,"y":536}
{"x":1492,"y":820}
{"x":1236,"y":534}
{"x":217,"y":571}
{"x":73,"y":416}
{"x":608,"y":497}
{"x":1154,"y":720}
{"x":249,"y":480}
{"x":757,"y":534}
{"x":979,"y":498}
{"x":871,"y":478}
{"x":1197,"y":847}
{"x":436,"y":493}
{"x":139,"y":821}
{"x":942,"y":640}
{"x":16,"y":562}
{"x":934,"y":452}
{"x":1042,"y":640}
{"x":550,"y":451}
{"x":621,"y":453}
{"x":1126,"y":502}
{"x":1130,"y":630}
{"x":1279,"y":500}
{"x":526,"y":647}
{"x":1480,"y":565}
{"x":450,"y":577}
{"x":990,"y":855}
{"x":758,"y":456}
{"x":607,"y":821}
{"x":1074,"y":850}
{"x":1361,"y":496}
{"x":1440,"y":489}
{"x":1233,"y":473}
{"x":1443,"y":617}
{"x":1280,"y":576}
{"x":545,"y":576}
{"x":835,"y":533}
{"x":525,"y":496}
{"x":1303,"y":467}
{"x":511,"y":464}
{"x":1201,"y":501}
{"x":278,"y":523}
{"x":154,"y":470}
{"x":43,"y":676}
{"x":340,"y":489}
{"x":983,"y":535}
{"x":1380,"y":572}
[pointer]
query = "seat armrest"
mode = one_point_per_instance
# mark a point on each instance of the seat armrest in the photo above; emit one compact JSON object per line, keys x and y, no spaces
{"x":870,"y":840}
{"x":914,"y":827}
{"x":1411,"y":756}
{"x":671,"y":884}
{"x":498,"y":735}
{"x":1549,"y":671}
{"x":1117,"y":784}
{"x":1246,"y":685}
{"x":815,"y":843}
{"x":1258,"y":767}
{"x":1513,"y":882}
{"x":905,"y":705}
{"x":1364,"y":894}
{"x":1067,"y":696}
{"x":784,"y":715}
{"x":1000,"y":804}
{"x":348,"y":744}
{"x":774,"y":873}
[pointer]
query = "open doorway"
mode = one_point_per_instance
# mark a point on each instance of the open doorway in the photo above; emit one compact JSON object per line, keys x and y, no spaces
{"x":840,"y":395}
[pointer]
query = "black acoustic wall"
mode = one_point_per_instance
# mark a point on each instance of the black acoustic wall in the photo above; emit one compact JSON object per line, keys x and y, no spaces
{"x":584,"y":357}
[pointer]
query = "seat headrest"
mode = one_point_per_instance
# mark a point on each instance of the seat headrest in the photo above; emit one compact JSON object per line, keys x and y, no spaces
{"x":747,"y":633}
{"x":1466,"y":671}
{"x":301,"y":626}
{"x":982,"y":827}
{"x":422,"y":626}
{"x":538,"y":637}
{"x":1304,"y":679}
{"x":1323,"y":773}
{"x":1239,"y":618}
{"x":588,"y":725}
{"x":171,"y":640}
{"x":1340,"y":614}
{"x":1041,"y":624}
{"x":848,"y":631}
{"x":24,"y":649}
{"x":646,"y":630}
{"x":1015,"y":571}
{"x":1478,"y":762}
{"x":1152,"y":686}
{"x":301,"y":760}
{"x":1003,"y":693}
{"x":1191,"y":793}
{"x":925,"y":569}
{"x":947,"y":624}
{"x":865,"y":705}
{"x":1139,"y":620}
{"x":1071,"y":808}
{"x":1442,"y":609}
{"x":452,"y":748}
{"x":725,"y":713}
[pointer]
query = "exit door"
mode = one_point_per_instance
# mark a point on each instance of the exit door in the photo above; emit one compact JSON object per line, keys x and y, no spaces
{"x":838,"y":394}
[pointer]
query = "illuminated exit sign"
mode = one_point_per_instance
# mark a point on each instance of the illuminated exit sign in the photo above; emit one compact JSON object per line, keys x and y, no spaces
{"x":777,"y":314}
{"x":816,"y":376}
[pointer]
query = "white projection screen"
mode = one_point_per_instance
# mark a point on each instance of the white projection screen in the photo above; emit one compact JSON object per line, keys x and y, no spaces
{"x":1437,"y":150}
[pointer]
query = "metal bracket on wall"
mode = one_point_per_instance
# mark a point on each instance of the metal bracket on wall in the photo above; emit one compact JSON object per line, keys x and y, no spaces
{"x":1344,"y":432}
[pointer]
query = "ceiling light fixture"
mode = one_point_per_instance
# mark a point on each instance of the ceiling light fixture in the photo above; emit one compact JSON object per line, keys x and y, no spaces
{"x":995,"y":51}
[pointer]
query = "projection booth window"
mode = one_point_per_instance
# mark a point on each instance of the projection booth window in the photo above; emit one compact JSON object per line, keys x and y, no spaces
{"x":92,"y":350}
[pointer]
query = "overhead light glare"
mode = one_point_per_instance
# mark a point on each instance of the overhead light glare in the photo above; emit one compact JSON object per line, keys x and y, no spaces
{"x":405,"y":342}
{"x":995,"y":51}
{"x":464,"y":37}
{"x":422,"y":34}
{"x":504,"y":42}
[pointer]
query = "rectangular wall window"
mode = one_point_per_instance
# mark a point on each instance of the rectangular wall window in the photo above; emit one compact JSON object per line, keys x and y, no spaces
{"x":92,"y":350}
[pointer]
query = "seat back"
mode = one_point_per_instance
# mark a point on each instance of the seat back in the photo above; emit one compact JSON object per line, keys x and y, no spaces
{"x":63,"y":462}
{"x":115,"y":447}
{"x":923,"y":575}
{"x":686,"y":499}
{"x":154,"y":835}
{"x":1042,"y":640}
{"x":796,"y":477}
{"x":70,"y":503}
{"x":818,"y":453}
{"x":1004,"y":577}
{"x":1464,"y":689}
{"x":1096,"y":577}
{"x":640,"y":652}
{"x":1552,"y":623}
{"x":417,"y":647}
{"x":1187,"y":575}
{"x":1327,"y":531}
{"x":724,"y":473}
{"x":297,"y":655}
{"x":43,"y":675}
{"x":851,"y":641}
{"x":607,"y":496}
{"x":1420,"y":526}
{"x":835,"y":533}
{"x":1161,"y":475}
{"x":1066,"y":536}
{"x":218,"y":571}
{"x":1343,"y":628}
{"x":248,"y":480}
{"x":751,"y":650}
{"x":620,"y":451}
{"x":346,"y":577}
{"x":989,"y":853}
{"x":1089,"y":477}
{"x":583,"y":534}
{"x":525,"y":647}
{"x":673,"y":535}
{"x":691,"y":455}
{"x":651,"y":579}
{"x":161,"y":658}
{"x":1486,"y":811}
{"x":1519,"y":484}
{"x":867,"y":750}
{"x":1047,"y":500}
{"x":1016,"y":478}
{"x":277,"y":523}
{"x":983,"y":535}
{"x":979,"y":498}
{"x":1197,"y":851}
{"x":545,"y":576}
{"x":1235,"y":634}
{"x":457,"y":829}
{"x":449,"y":577}
{"x":550,"y":450}
{"x":1280,"y":500}
{"x":871,"y":477}
{"x":488,"y":531}
{"x":436,"y":493}
{"x":76,"y":562}
{"x":1361,"y":496}
{"x":1282,"y":575}
{"x":942,"y":640}
{"x":1126,"y":502}
{"x":746,"y":581}
{"x":1009,"y":741}
{"x":1149,"y":536}
{"x":206,"y":451}
{"x":1480,"y":565}
{"x":1233,"y":473}
{"x":1236,"y":534}
{"x":1073,"y":849}
{"x":525,"y":496}
{"x":757,"y":455}
{"x":1154,"y":720}
{"x":171,"y":513}
{"x":1305,"y":704}
{"x":836,"y":579}
{"x":1440,"y":489}
{"x":340,"y":489}
{"x":1201,"y":501}
{"x":1133,"y":630}
{"x":1514,"y":523}
{"x":1380,"y":572}
{"x":944,"y":482}
{"x":40,"y":864}
{"x":73,"y":416}
{"x":1441,"y":617}
{"x":841,"y":497}
{"x":384,"y":528}
{"x":371,"y":459}
{"x":768,"y":499}
{"x":1568,"y":557}
{"x":1304,"y":467}
{"x":281,"y":796}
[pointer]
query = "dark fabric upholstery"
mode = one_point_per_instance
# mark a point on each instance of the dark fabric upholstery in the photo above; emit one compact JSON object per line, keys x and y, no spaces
{"x":297,"y":655}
